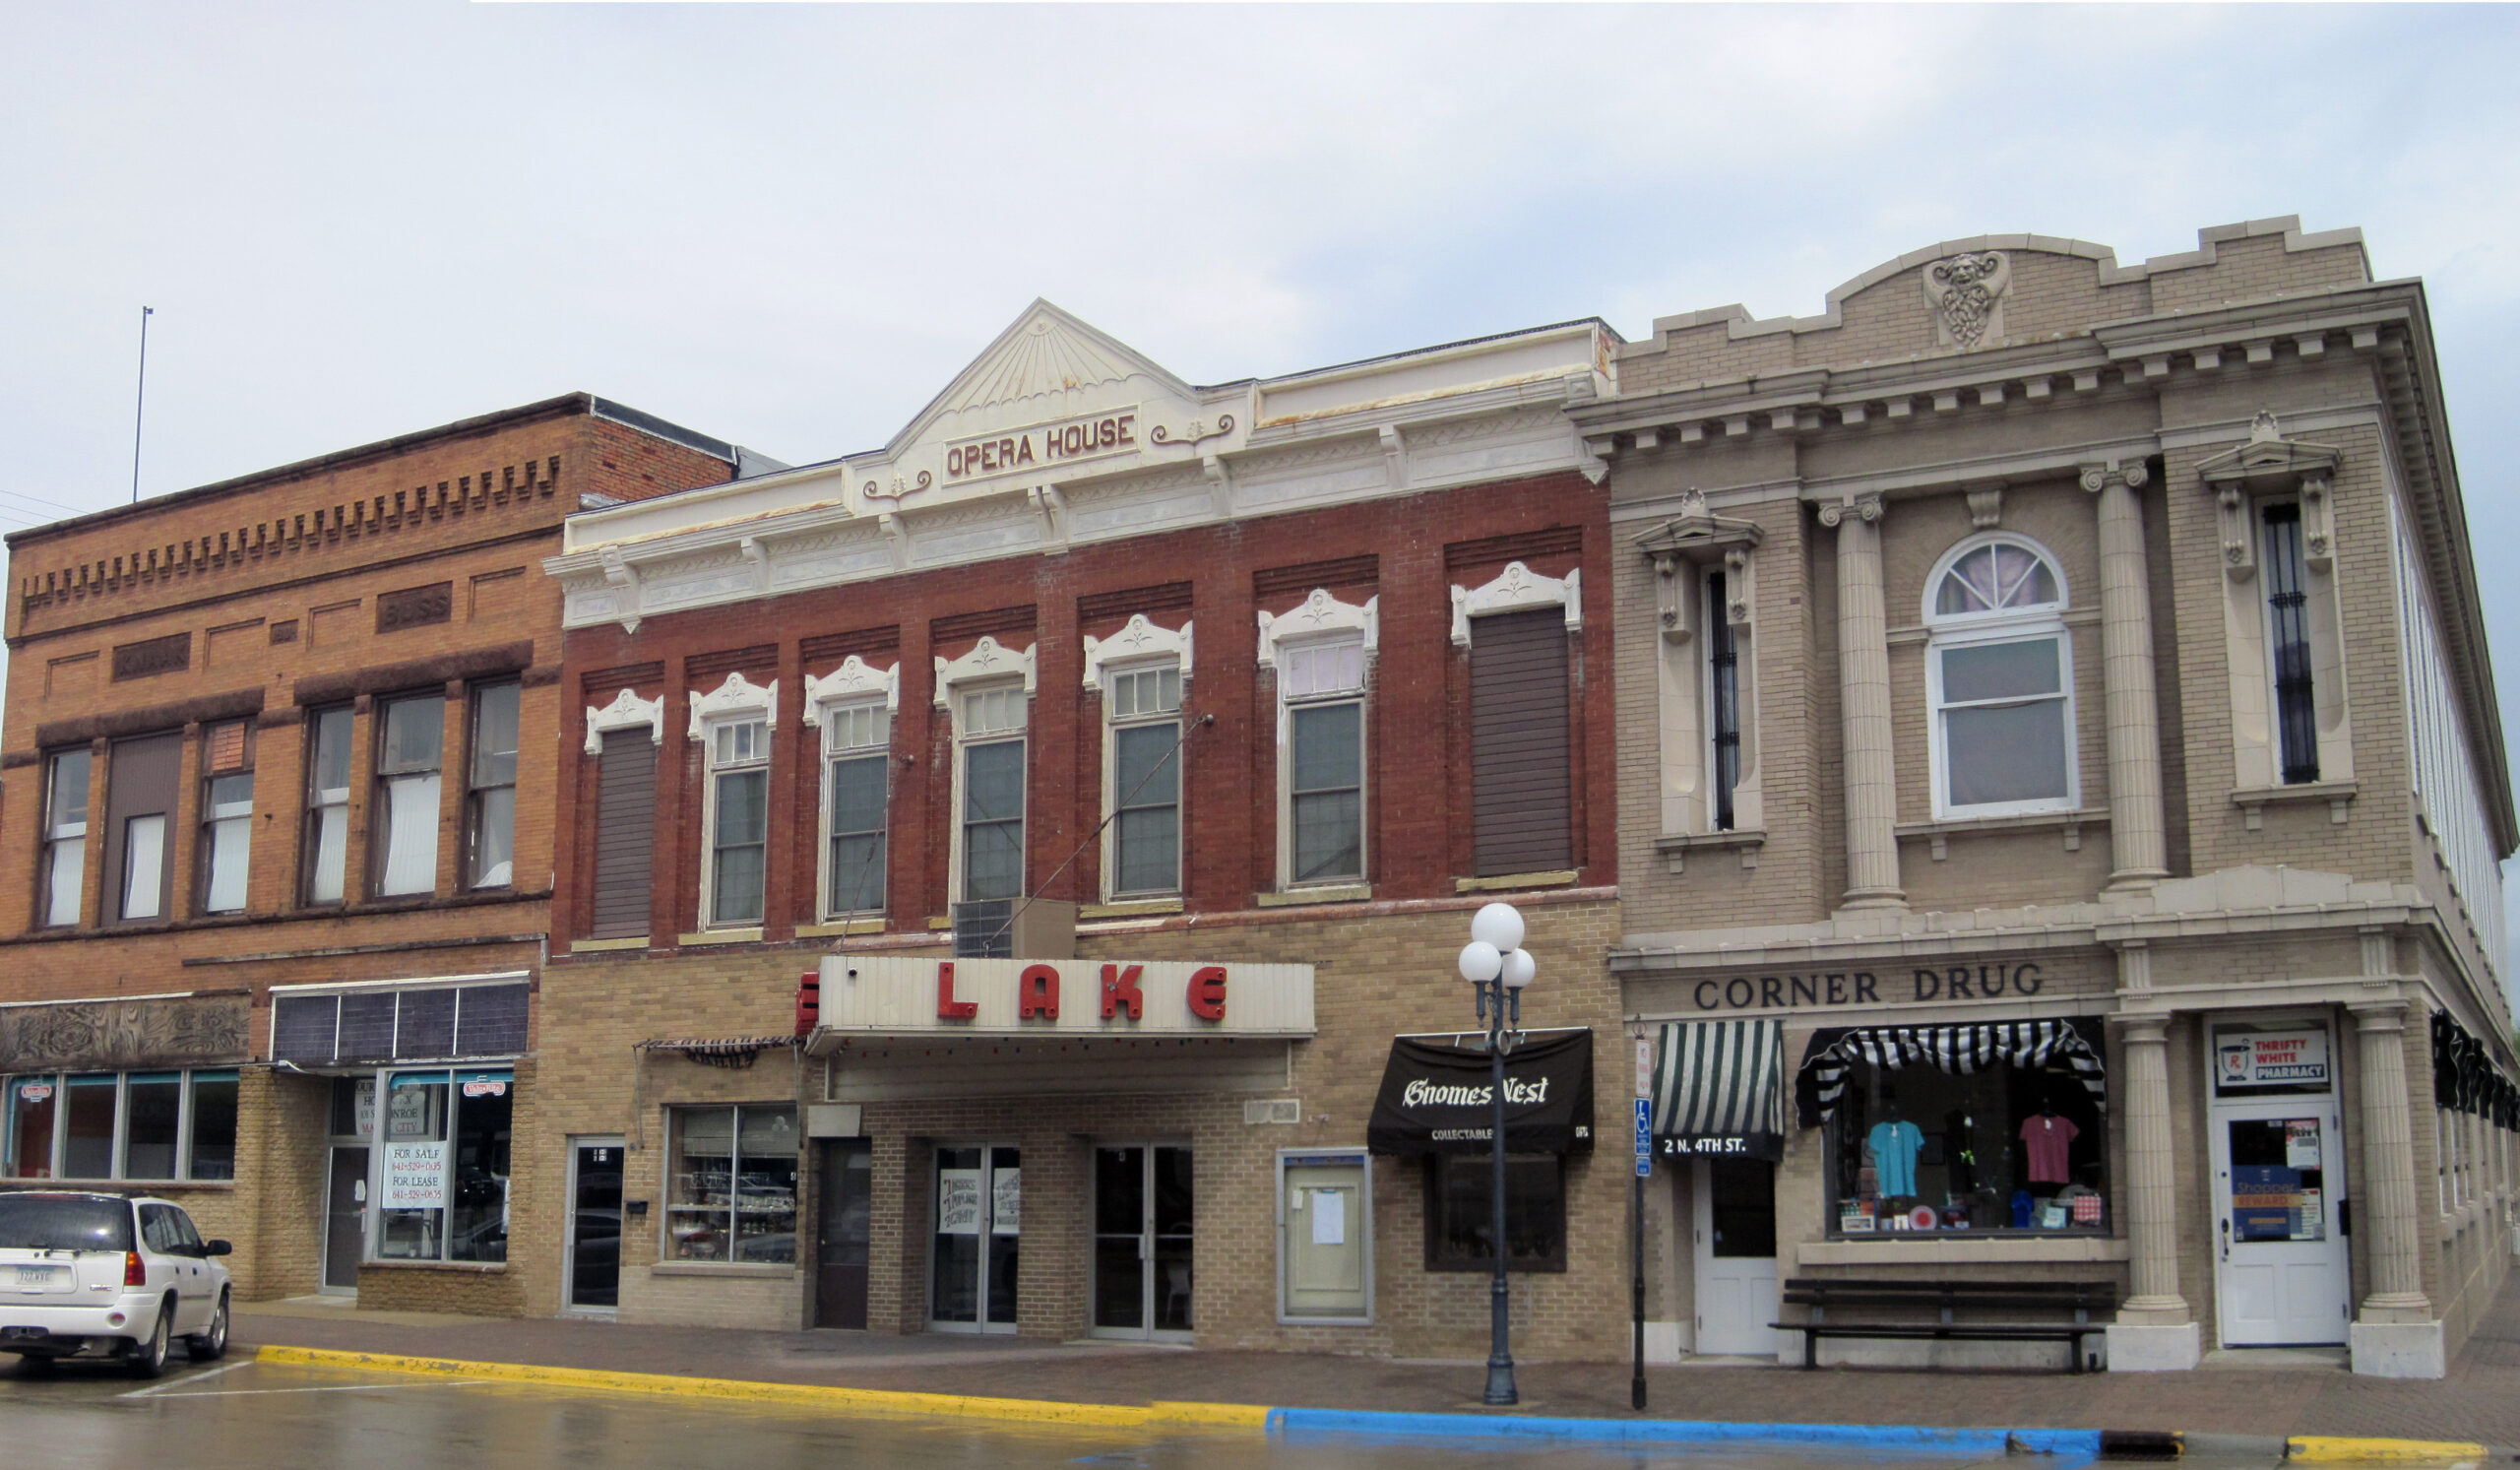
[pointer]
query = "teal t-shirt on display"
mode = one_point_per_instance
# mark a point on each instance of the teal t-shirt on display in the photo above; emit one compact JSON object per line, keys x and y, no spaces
{"x":1894,"y":1156}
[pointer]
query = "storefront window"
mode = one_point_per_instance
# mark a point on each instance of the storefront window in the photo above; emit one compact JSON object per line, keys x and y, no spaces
{"x":732,"y":1178}
{"x":77,"y":1120}
{"x":1461,"y":1212}
{"x":446,"y":1165}
{"x":2008,"y":1148}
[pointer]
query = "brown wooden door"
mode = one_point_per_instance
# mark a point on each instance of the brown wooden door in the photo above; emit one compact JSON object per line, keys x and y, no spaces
{"x":843,"y":1221}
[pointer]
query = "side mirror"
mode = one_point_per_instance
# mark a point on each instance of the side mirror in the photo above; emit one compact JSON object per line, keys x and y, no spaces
{"x":216,"y":1247}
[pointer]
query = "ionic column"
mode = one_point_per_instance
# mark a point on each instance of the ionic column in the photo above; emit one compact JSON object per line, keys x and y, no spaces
{"x":2135,"y":827}
{"x":2388,"y":1170}
{"x":1863,"y":698}
{"x":2152,"y":1187}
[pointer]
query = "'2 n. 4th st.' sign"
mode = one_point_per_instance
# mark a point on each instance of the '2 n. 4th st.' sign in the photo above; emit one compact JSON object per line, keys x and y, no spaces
{"x":894,"y":996}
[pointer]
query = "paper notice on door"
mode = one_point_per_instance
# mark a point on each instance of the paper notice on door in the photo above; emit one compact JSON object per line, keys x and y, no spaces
{"x":957,"y":1201}
{"x":2305,"y":1221}
{"x":2302,"y":1143}
{"x":1328,"y":1217}
{"x":1006,"y":1202}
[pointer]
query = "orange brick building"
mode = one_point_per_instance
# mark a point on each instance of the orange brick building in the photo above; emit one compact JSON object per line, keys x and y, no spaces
{"x":283,"y":746}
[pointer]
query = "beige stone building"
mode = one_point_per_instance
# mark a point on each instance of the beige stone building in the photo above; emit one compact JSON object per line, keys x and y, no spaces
{"x":2060,"y":775}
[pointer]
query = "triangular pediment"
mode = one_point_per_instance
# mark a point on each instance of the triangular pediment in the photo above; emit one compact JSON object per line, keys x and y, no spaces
{"x":1050,"y":363}
{"x":1051,"y":399}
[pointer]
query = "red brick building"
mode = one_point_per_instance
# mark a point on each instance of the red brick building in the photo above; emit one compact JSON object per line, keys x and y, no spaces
{"x":283,"y":746}
{"x":1133,"y":683}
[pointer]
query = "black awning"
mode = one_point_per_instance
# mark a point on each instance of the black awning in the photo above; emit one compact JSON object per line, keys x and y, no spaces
{"x":1435,"y":1099}
{"x":2068,"y":1045}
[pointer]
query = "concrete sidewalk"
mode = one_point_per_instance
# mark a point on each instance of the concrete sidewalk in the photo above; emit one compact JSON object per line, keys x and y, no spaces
{"x":2480,"y":1400}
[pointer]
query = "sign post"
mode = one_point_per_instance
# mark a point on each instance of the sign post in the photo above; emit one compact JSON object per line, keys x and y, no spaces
{"x":1636,"y":1212}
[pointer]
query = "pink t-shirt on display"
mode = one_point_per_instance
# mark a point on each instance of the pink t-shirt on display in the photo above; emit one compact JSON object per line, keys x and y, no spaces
{"x":2046,"y":1137}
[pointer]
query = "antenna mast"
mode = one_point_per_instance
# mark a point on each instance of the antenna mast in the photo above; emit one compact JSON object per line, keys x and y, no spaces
{"x":139,"y":402}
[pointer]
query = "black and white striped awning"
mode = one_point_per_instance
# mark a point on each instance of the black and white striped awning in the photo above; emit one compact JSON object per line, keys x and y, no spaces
{"x":1960,"y":1048}
{"x":1719,"y":1088}
{"x":2465,"y":1078}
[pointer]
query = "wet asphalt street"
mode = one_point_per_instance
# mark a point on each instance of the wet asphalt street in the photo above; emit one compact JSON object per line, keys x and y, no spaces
{"x":251,"y":1416}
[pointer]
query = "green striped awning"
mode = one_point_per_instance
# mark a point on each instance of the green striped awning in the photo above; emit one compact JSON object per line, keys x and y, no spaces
{"x":1719,"y":1088}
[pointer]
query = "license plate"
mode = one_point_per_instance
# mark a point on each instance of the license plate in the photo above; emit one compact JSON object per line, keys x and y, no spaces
{"x":36,"y":1275}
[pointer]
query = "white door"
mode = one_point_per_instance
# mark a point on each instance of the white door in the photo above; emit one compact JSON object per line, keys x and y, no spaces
{"x":1736,"y":1230}
{"x":2281,"y":1275}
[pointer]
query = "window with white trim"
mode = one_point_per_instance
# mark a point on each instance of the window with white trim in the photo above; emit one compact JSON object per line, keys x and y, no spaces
{"x":988,"y":791}
{"x":1321,"y":688}
{"x":857,"y":783}
{"x":489,"y":806}
{"x":410,"y":774}
{"x":65,"y":836}
{"x":2000,"y":683}
{"x":1143,"y":778}
{"x":328,"y":804}
{"x":1723,"y":704}
{"x":226,"y":814}
{"x":737,"y":822}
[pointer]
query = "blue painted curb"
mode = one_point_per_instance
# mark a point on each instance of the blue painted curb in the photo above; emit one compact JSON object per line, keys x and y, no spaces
{"x":1308,"y":1424}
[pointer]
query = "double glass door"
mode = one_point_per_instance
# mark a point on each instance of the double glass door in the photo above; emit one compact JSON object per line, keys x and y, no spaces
{"x":1142,"y":1235}
{"x":979,"y":1220}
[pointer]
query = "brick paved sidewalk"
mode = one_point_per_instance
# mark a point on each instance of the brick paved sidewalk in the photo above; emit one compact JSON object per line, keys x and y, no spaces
{"x":2478,"y":1401}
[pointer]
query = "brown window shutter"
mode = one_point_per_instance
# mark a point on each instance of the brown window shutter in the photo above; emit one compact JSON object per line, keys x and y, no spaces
{"x":140,"y":777}
{"x":625,"y":834}
{"x":1520,"y":792}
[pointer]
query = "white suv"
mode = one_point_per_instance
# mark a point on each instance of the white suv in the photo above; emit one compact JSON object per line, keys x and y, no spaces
{"x":105,"y":1276}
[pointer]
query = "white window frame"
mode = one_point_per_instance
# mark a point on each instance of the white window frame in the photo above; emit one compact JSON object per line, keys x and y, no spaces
{"x":322,"y":800}
{"x":841,"y":721}
{"x":988,"y":666}
{"x":1287,"y":704}
{"x":1114,"y":722}
{"x":966,"y":739}
{"x":383,"y":782}
{"x":1950,"y":630}
{"x":831,"y":703}
{"x":714,"y":767}
{"x":57,"y":832}
{"x":218,"y":815}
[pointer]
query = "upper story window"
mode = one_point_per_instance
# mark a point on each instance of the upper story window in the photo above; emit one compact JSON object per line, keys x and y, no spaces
{"x":989,"y":728}
{"x":1723,"y":704}
{"x":856,"y":787}
{"x":328,"y":804}
{"x":140,"y":789}
{"x":1143,"y":778}
{"x":737,"y":820}
{"x":1321,"y":692}
{"x":2288,"y":643}
{"x":226,"y":814}
{"x":1999,"y":680}
{"x":489,"y":806}
{"x":408,"y":774}
{"x":65,"y":837}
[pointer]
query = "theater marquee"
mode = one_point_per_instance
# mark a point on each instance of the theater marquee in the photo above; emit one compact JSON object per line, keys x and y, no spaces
{"x":896,"y":996}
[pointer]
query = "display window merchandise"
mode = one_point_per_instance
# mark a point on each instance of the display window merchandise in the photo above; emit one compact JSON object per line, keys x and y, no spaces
{"x":732,"y":1185}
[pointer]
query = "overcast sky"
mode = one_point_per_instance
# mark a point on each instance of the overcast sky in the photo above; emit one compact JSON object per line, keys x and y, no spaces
{"x":788,"y":225}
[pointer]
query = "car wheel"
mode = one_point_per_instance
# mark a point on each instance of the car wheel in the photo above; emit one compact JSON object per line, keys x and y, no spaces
{"x":34,"y":1365}
{"x":149,"y":1359}
{"x":211,"y":1345}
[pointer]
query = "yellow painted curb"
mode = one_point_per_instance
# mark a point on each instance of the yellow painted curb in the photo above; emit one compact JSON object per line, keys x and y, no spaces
{"x":2337,"y":1449}
{"x":1168,"y":1415}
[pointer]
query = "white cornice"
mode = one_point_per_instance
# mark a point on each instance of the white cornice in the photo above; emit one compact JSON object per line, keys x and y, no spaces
{"x":988,"y":659}
{"x":1516,"y":588}
{"x":854,"y":678}
{"x":1319,"y":615}
{"x":1139,"y":639}
{"x":627,"y":711}
{"x":738,"y":696}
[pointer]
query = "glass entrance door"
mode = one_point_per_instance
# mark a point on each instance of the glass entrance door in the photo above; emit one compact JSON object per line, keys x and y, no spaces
{"x":843,"y":1232}
{"x":345,"y":1220}
{"x":979,"y":1215}
{"x":594,"y":1225}
{"x":1142,"y":1229}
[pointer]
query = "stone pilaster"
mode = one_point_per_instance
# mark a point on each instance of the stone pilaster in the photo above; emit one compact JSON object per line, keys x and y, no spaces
{"x":2155,"y":1331}
{"x":2135,"y":824}
{"x":1863,"y":696}
{"x":2395,"y":1333}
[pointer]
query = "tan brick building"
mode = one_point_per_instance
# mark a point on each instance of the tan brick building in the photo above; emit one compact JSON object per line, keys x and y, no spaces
{"x":2057,"y":736}
{"x":283,"y":746}
{"x":1161,"y":682}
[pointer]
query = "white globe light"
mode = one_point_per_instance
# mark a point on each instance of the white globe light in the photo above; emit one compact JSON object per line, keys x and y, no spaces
{"x":1518,"y":969}
{"x":1499,"y":925}
{"x":1480,"y":961}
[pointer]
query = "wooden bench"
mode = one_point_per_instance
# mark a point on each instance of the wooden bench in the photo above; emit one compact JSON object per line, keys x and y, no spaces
{"x":1945,"y":1298}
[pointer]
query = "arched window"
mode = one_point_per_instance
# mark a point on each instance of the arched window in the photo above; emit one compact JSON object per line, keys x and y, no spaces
{"x":1999,"y":677}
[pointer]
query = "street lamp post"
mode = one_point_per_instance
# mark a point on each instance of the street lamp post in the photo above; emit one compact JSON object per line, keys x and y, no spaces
{"x":1497,"y":967}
